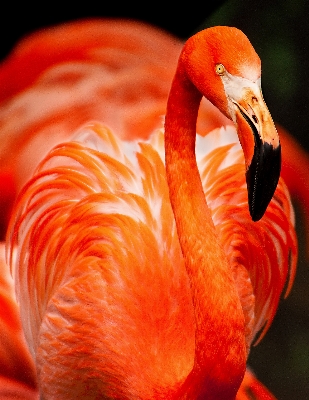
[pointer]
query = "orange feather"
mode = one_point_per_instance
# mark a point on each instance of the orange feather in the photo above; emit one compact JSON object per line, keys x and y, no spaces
{"x":17,"y":370}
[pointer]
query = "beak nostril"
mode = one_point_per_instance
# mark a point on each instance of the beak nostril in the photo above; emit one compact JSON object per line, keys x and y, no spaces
{"x":255,"y":118}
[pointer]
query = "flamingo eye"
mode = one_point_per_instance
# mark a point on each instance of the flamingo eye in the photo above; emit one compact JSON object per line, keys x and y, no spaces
{"x":219,"y":69}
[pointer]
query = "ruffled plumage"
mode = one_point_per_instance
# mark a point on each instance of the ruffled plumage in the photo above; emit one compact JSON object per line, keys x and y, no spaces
{"x":96,"y":220}
{"x":266,"y":250}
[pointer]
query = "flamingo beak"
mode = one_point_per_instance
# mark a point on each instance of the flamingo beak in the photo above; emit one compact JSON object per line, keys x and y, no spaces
{"x":260,"y":141}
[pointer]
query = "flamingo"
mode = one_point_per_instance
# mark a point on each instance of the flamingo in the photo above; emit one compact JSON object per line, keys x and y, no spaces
{"x":131,"y":282}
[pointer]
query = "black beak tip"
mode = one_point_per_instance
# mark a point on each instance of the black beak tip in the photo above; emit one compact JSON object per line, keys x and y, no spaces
{"x":256,"y":215}
{"x":262,"y":178}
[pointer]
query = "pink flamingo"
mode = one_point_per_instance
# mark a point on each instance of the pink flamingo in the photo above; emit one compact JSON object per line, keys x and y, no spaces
{"x":153,"y":118}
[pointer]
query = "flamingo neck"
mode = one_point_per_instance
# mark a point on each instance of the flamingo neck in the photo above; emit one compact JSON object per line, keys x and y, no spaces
{"x":220,"y":354}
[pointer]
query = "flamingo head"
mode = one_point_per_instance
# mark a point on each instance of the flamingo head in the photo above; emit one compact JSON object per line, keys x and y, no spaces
{"x":224,"y":67}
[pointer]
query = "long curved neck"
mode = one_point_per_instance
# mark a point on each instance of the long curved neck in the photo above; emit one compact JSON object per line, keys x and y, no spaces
{"x":220,"y":355}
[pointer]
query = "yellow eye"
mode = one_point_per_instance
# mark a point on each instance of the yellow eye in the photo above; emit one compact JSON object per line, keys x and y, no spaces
{"x":220,"y":69}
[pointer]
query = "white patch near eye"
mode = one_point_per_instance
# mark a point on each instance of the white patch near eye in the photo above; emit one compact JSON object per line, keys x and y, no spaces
{"x":259,"y":83}
{"x":235,"y":88}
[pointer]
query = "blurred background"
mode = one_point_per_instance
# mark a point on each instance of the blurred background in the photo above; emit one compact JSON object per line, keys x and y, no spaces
{"x":279,"y":31}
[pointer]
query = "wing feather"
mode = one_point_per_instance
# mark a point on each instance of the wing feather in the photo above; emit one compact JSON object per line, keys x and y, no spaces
{"x":266,"y":249}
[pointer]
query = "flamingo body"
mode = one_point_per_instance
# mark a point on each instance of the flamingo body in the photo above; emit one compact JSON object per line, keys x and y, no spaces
{"x":110,"y":281}
{"x":100,"y":272}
